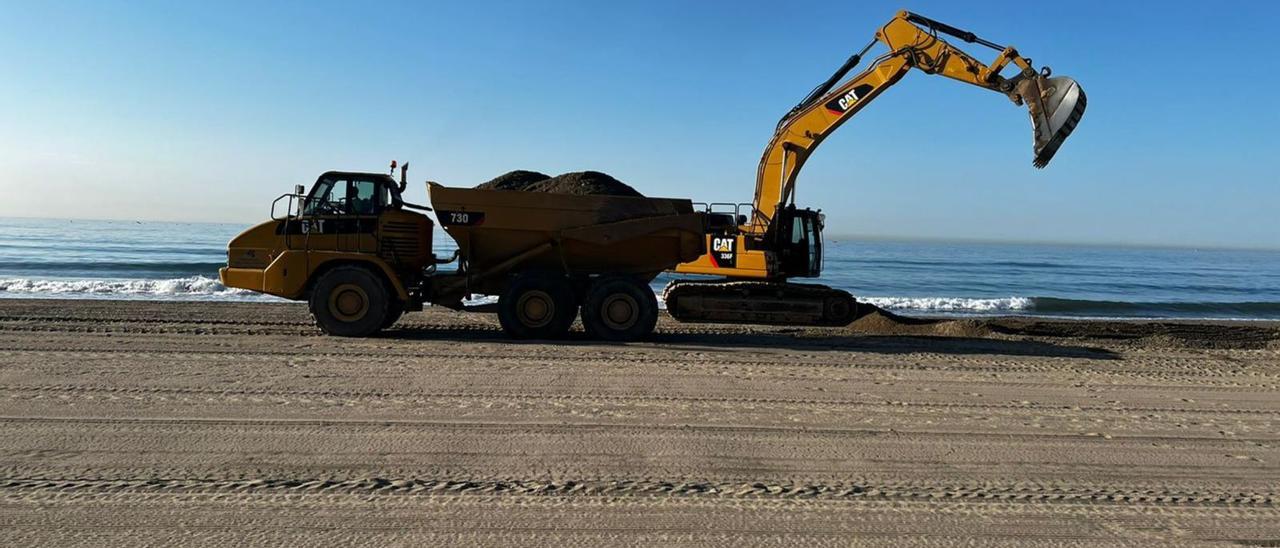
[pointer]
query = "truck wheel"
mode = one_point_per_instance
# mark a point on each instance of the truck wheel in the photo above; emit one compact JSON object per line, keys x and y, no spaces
{"x":537,"y":306}
{"x":349,"y":301}
{"x":620,"y":309}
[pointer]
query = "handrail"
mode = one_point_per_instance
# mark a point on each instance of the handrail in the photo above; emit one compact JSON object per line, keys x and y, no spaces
{"x":709,"y":207}
{"x":289,"y":210}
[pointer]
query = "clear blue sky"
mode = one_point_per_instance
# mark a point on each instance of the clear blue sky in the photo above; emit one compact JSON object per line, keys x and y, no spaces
{"x":208,"y":110}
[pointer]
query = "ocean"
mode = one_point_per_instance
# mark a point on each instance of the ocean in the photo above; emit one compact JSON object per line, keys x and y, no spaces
{"x":77,"y":259}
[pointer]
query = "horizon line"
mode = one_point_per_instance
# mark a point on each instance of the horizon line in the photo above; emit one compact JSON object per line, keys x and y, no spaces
{"x":829,"y":236}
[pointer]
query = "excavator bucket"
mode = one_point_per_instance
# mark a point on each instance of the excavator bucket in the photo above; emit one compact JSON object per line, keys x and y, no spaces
{"x":1056,"y":105}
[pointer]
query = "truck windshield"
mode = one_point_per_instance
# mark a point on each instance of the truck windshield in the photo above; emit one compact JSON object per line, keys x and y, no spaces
{"x":344,"y":197}
{"x":329,"y":197}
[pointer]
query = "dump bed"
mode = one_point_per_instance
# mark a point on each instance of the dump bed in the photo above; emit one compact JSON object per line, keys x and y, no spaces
{"x":501,"y":231}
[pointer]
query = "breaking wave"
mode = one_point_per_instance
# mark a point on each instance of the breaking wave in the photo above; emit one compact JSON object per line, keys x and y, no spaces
{"x":192,"y":287}
{"x":951,"y":304}
{"x":205,"y":288}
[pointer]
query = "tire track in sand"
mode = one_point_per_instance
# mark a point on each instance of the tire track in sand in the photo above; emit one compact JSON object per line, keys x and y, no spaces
{"x":675,"y":487}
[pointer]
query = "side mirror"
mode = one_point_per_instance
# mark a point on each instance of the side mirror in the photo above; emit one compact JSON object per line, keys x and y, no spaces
{"x":297,"y":189}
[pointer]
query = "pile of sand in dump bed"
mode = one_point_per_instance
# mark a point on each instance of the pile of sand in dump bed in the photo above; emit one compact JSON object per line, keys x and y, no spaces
{"x":580,"y":183}
{"x":514,"y":180}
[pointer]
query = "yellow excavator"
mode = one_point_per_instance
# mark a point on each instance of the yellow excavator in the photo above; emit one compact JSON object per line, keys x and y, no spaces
{"x":756,"y":252}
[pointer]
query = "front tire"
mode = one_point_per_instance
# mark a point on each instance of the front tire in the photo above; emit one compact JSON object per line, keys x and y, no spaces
{"x":537,"y":306}
{"x":350,"y":301}
{"x":620,"y":309}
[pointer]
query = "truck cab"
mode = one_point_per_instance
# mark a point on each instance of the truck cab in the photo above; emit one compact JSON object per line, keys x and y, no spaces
{"x":350,"y":230}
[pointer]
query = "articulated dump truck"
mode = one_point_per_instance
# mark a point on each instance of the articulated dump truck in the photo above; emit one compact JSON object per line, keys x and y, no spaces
{"x":361,"y":256}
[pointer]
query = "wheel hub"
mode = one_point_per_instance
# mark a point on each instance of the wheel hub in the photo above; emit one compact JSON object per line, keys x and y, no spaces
{"x":536,"y":308}
{"x":348,"y":302}
{"x":620,"y":311}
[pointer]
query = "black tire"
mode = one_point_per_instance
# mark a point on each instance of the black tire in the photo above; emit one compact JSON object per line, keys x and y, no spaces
{"x":350,"y":301}
{"x":620,"y":309}
{"x":537,"y":306}
{"x":394,"y":311}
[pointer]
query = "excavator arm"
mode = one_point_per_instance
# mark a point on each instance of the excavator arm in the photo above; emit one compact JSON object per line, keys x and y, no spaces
{"x":1055,"y":104}
{"x":755,"y":259}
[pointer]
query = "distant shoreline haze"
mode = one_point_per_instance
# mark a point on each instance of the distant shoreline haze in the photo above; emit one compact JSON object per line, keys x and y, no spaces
{"x":827,"y":236}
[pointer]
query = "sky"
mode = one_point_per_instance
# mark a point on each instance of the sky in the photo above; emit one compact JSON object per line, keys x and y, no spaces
{"x":206,"y":111}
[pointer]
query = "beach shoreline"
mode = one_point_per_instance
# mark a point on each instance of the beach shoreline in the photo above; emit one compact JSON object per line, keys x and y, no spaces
{"x":135,"y":422}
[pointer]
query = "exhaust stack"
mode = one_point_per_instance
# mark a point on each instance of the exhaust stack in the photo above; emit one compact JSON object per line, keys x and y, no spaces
{"x":1056,"y":105}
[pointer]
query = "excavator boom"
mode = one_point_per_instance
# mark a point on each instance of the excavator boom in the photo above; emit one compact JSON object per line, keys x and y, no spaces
{"x":1055,"y":104}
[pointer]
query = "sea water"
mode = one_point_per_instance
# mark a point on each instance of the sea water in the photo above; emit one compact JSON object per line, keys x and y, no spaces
{"x":77,"y":259}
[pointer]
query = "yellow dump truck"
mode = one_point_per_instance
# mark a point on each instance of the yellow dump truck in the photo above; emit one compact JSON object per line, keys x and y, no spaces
{"x":361,"y":256}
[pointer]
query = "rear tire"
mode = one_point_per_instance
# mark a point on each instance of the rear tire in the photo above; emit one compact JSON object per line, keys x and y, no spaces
{"x":349,"y":301}
{"x":620,"y":309}
{"x":394,"y":311}
{"x":537,"y":306}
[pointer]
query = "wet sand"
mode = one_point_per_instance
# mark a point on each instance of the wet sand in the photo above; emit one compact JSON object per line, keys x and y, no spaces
{"x":212,"y":424}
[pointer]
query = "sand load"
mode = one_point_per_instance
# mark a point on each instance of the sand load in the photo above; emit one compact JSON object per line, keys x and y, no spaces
{"x":580,"y":183}
{"x":514,"y":180}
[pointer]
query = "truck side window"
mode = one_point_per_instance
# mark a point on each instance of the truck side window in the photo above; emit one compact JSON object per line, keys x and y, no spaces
{"x":385,"y":197}
{"x":364,"y":198}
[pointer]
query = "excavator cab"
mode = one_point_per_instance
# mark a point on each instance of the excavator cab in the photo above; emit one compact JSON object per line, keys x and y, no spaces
{"x":798,"y":241}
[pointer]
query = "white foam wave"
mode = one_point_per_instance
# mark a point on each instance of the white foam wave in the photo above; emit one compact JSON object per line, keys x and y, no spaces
{"x":205,"y":288}
{"x":191,"y":287}
{"x":950,"y":304}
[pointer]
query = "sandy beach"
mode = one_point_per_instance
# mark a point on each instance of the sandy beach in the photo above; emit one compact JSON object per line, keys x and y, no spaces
{"x":218,"y":423}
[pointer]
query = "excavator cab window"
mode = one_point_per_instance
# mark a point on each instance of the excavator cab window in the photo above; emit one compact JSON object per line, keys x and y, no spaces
{"x":813,"y":227}
{"x":801,"y":249}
